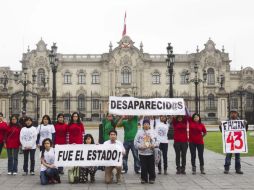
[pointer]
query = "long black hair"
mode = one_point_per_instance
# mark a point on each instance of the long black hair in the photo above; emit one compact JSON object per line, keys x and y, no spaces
{"x":60,"y":115}
{"x":78,"y":121}
{"x":48,"y":118}
{"x":87,"y":136}
{"x":196,"y":114}
{"x":43,"y":147}
{"x":14,"y":124}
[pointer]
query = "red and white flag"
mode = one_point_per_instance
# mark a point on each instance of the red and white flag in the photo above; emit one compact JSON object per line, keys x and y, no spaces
{"x":124,"y":28}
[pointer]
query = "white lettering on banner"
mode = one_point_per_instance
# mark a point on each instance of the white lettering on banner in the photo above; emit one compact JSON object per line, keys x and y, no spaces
{"x":234,"y":136}
{"x":88,"y":155}
{"x":154,"y":106}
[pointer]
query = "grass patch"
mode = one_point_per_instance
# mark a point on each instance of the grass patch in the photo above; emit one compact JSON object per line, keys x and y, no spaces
{"x":4,"y":153}
{"x":213,"y":142}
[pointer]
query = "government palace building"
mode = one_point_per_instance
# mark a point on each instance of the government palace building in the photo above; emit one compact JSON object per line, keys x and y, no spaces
{"x":84,"y":82}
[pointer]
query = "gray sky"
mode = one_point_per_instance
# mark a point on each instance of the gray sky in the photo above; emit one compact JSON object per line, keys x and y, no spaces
{"x":82,"y":26}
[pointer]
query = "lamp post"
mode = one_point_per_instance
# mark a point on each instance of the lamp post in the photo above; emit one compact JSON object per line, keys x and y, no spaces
{"x":24,"y":82}
{"x":170,"y":63}
{"x":196,"y":80}
{"x":53,"y":62}
{"x":221,"y":81}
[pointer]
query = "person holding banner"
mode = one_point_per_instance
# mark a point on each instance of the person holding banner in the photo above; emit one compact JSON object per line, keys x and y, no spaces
{"x":145,"y":142}
{"x":108,"y":124}
{"x":49,"y":173}
{"x":233,"y":116}
{"x":109,"y":169}
{"x":180,"y":142}
{"x":130,"y":130}
{"x":76,"y":129}
{"x":197,"y":131}
{"x":61,"y":129}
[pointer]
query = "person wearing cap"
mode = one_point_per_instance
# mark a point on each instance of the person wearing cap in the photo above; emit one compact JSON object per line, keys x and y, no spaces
{"x":3,"y":130}
{"x":233,"y":116}
{"x":145,"y":142}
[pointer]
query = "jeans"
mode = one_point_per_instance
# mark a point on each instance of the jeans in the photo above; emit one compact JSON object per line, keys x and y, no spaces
{"x":130,"y":145}
{"x":200,"y":148}
{"x":228,"y":161}
{"x":49,"y":173}
{"x":1,"y":147}
{"x":180,"y":150}
{"x":12,"y":159}
{"x":164,"y":149}
{"x":32,"y":161}
{"x":147,"y":167}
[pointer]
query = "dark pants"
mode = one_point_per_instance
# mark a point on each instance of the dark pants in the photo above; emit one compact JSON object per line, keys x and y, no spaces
{"x":85,"y":171}
{"x":127,"y":146}
{"x":49,"y":174}
{"x":180,"y":150}
{"x":13,"y":159}
{"x":32,"y":161}
{"x":200,"y":148}
{"x":228,"y":161}
{"x":164,"y":149}
{"x":147,"y":167}
{"x":1,"y":147}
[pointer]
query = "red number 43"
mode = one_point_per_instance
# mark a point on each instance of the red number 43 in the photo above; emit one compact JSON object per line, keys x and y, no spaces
{"x":232,"y":140}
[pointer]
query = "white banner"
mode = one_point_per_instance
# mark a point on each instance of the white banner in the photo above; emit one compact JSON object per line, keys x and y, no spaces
{"x":88,"y":155}
{"x":234,"y":136}
{"x":154,"y":106}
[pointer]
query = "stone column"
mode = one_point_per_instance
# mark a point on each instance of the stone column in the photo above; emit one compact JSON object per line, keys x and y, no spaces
{"x":222,"y":105}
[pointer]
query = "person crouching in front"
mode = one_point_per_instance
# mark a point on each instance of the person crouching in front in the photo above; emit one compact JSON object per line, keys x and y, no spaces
{"x":145,"y":142}
{"x":109,"y":169}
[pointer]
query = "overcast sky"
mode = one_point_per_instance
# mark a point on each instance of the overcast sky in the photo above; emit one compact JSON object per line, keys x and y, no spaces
{"x":82,"y":26}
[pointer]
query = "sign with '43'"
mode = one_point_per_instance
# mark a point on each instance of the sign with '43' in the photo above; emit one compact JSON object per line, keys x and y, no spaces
{"x":234,"y":136}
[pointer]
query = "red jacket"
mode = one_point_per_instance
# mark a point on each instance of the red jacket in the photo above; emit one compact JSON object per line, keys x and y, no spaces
{"x":76,"y":132}
{"x":61,"y":133}
{"x":196,"y":131}
{"x":180,"y":130}
{"x":3,"y":130}
{"x":12,"y":136}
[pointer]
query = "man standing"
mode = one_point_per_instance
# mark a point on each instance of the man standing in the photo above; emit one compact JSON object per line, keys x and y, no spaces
{"x":233,"y":116}
{"x":130,"y":124}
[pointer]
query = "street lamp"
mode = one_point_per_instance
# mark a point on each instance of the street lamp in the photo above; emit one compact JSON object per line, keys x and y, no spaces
{"x":170,"y":63}
{"x":221,"y":81}
{"x":196,"y":80}
{"x":53,"y":63}
{"x":24,"y":82}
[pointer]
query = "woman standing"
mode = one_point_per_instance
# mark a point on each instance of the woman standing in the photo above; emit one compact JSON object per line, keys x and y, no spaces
{"x":76,"y":129}
{"x":3,"y":129}
{"x":196,"y":134}
{"x":45,"y":130}
{"x":61,"y":129}
{"x":12,"y":145}
{"x":162,"y":137}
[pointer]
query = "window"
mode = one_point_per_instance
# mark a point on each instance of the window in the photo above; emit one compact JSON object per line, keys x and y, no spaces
{"x":67,"y":78}
{"x":183,"y":78}
{"x":210,"y":77}
{"x":211,"y":101}
{"x":95,"y":78}
{"x":249,"y":100}
{"x":81,"y":78}
{"x":156,"y":78}
{"x":81,"y":102}
{"x":126,"y":75}
{"x":234,"y":103}
{"x":41,"y":77}
{"x":15,"y":104}
{"x":67,"y":104}
{"x":96,"y":104}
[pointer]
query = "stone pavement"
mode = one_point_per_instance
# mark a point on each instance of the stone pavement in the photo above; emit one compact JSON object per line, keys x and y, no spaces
{"x":214,"y":178}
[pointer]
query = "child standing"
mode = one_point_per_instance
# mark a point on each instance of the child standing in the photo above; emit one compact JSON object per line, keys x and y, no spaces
{"x":85,"y":171}
{"x":12,"y":145}
{"x":145,"y":142}
{"x":28,"y":136}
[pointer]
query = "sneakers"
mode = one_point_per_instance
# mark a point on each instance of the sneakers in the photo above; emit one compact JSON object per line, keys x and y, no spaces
{"x":31,"y":173}
{"x":178,"y":171}
{"x":123,"y":172}
{"x":151,"y":181}
{"x":226,"y":171}
{"x":238,"y":172}
{"x":137,"y":172}
{"x":14,"y":173}
{"x":9,"y":173}
{"x":143,"y":181}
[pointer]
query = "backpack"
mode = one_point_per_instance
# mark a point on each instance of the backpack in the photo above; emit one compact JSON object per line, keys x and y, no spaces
{"x":73,"y":175}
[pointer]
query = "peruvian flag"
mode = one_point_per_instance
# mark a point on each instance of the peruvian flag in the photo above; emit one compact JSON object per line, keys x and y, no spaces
{"x":124,"y":28}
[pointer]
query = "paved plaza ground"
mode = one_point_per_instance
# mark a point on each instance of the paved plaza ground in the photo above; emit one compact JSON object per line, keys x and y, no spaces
{"x":214,"y":179}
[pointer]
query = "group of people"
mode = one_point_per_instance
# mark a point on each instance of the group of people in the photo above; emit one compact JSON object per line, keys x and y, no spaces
{"x":143,"y":142}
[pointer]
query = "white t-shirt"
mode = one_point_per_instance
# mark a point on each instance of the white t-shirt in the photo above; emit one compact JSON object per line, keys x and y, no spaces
{"x":45,"y":132}
{"x":117,"y":143}
{"x":28,"y":137}
{"x":161,"y":131}
{"x":49,"y":157}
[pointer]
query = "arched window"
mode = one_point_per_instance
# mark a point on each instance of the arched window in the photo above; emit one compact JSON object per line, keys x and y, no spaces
{"x":41,"y":76}
{"x":81,"y":102}
{"x":126,"y":75}
{"x":210,"y":76}
{"x":81,"y":78}
{"x":211,"y":101}
{"x":95,"y":78}
{"x":156,"y":78}
{"x":67,"y":77}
